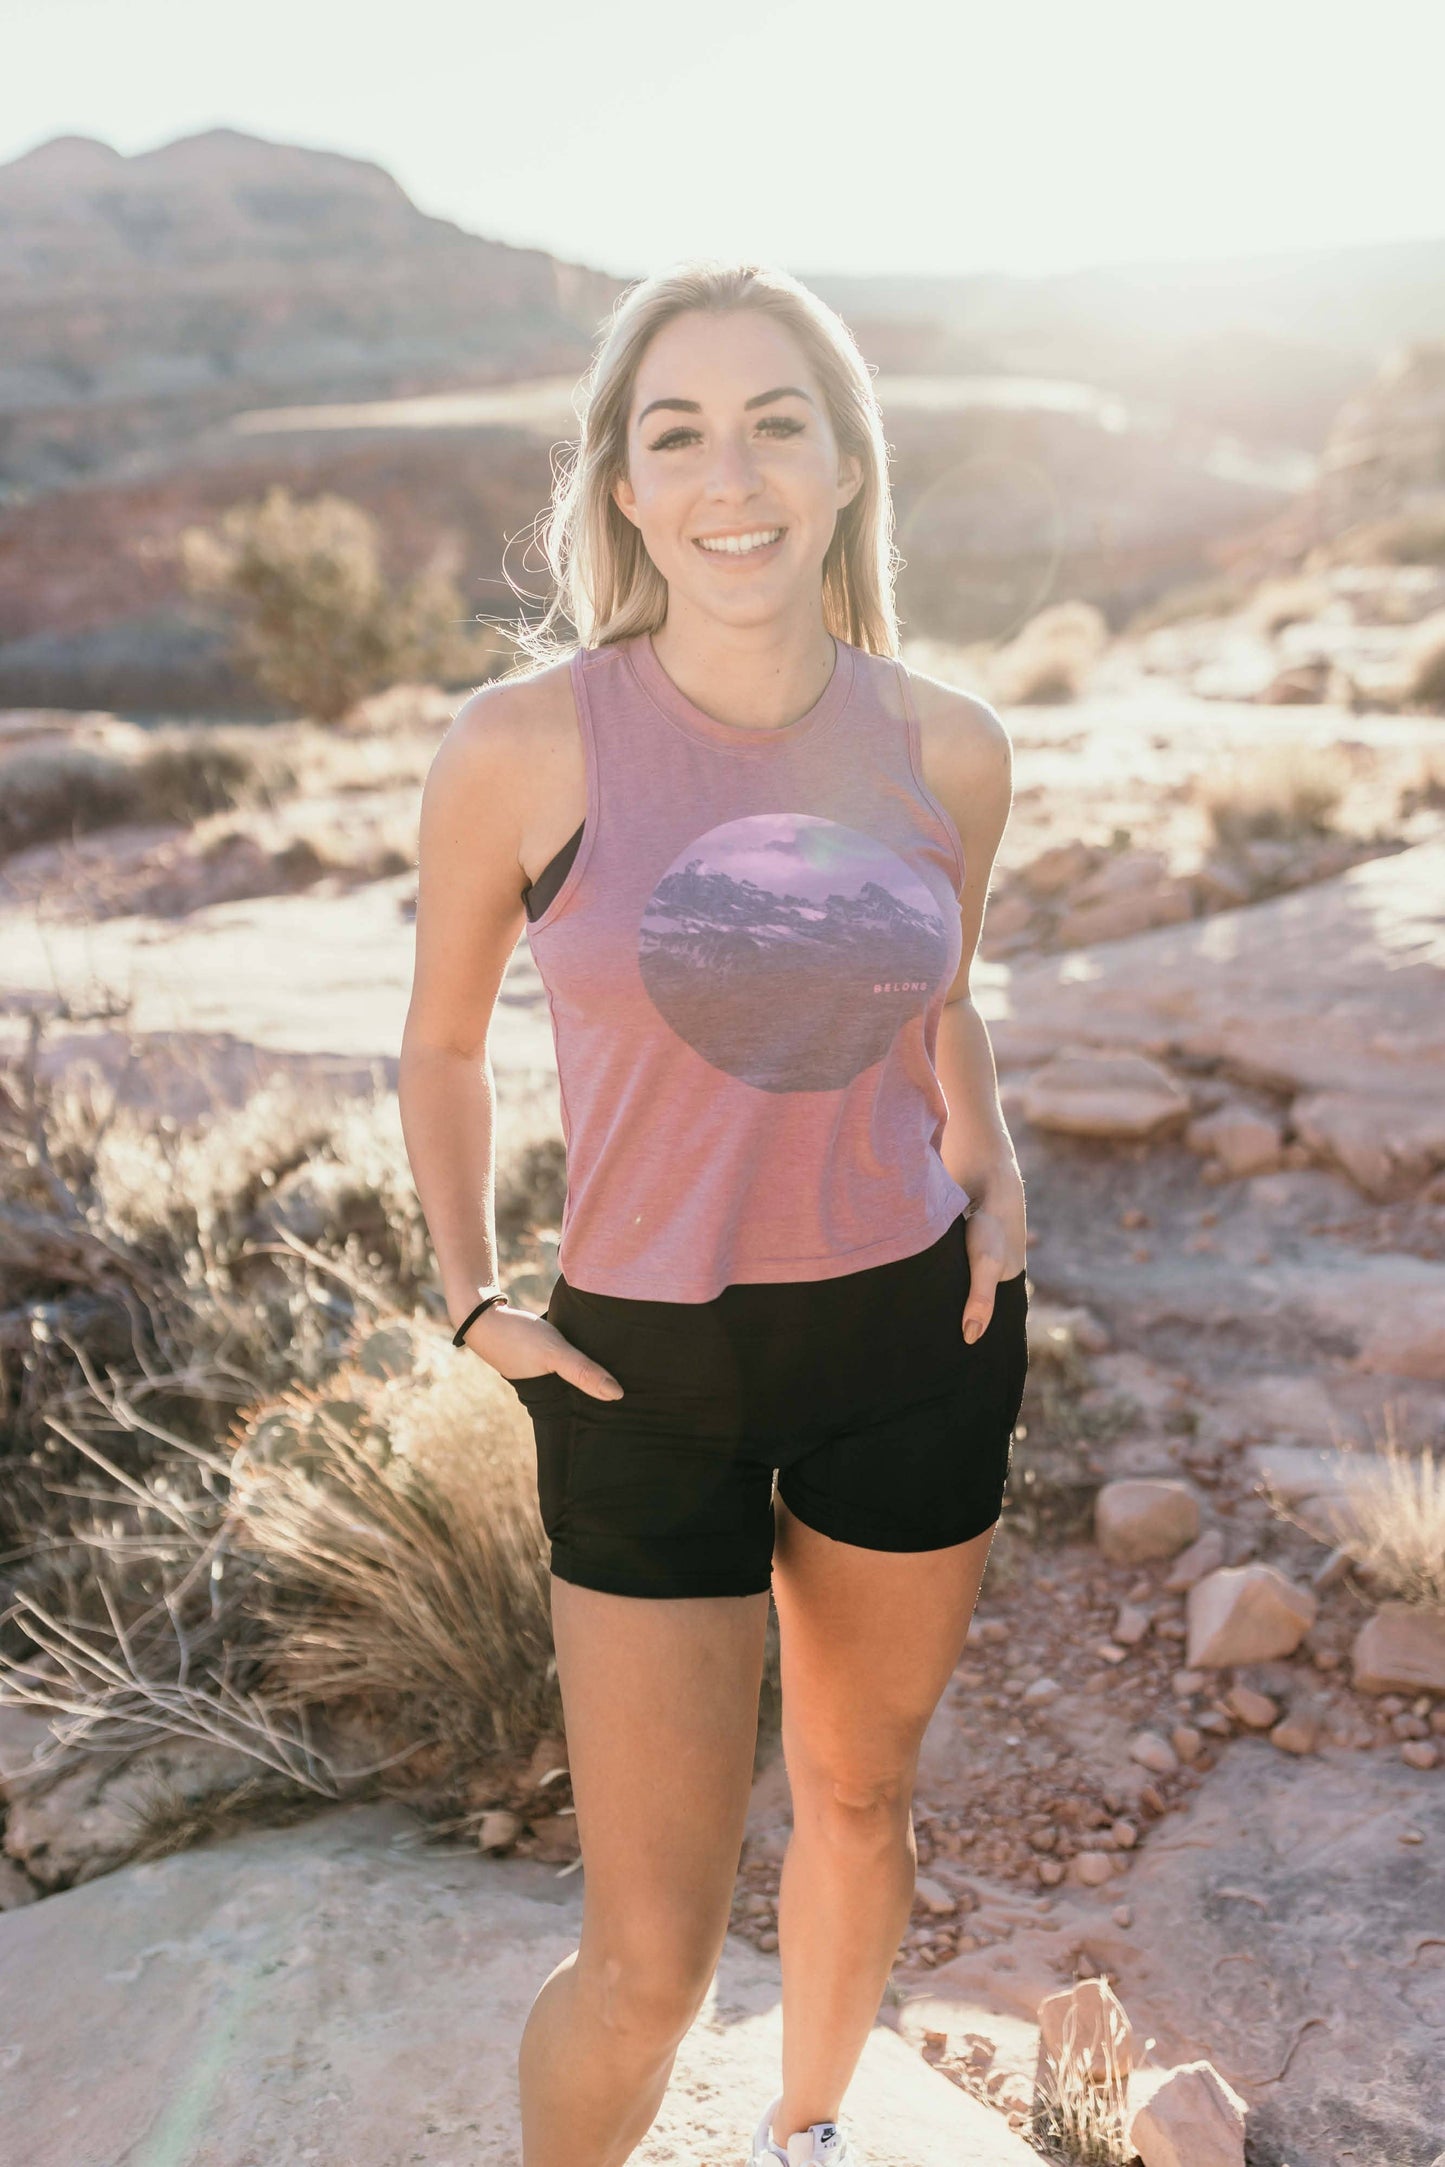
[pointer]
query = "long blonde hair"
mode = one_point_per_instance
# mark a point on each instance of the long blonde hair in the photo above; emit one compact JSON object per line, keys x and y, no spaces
{"x":604,"y":582}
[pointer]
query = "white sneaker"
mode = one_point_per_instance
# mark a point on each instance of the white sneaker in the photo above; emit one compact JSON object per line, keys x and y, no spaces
{"x":821,"y":2144}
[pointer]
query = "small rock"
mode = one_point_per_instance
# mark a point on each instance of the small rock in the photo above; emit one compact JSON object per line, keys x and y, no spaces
{"x":1140,"y":1517}
{"x":1186,"y":1741}
{"x":1297,"y":1732}
{"x":1206,"y":1555}
{"x":1091,"y":1869}
{"x":1255,"y":1710}
{"x":1041,"y":1692}
{"x":1131,"y":1625}
{"x":1122,"y":1915}
{"x":1186,"y":1683}
{"x":1420,"y":1752}
{"x":934,"y":1897}
{"x":1246,"y":1614}
{"x":1124,"y":1834}
{"x":1401,"y":1649}
{"x":1193,"y":2119}
{"x":1050,"y":1872}
{"x":498,"y":1829}
{"x":16,"y":1888}
{"x":1154,"y":1753}
{"x":1243,"y":1140}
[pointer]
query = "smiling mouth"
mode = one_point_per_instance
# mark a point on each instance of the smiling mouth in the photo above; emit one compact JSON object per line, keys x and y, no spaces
{"x":738,"y":545}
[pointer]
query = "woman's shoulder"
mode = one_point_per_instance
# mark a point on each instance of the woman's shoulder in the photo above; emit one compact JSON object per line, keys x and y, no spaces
{"x":951,"y":707}
{"x":517,"y":708}
{"x":962,"y":736}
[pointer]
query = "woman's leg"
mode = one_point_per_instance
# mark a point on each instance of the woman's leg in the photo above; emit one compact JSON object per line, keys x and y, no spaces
{"x":660,"y":1699}
{"x":869,"y":1639}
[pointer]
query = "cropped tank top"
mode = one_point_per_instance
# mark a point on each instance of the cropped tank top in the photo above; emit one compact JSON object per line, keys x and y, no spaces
{"x":745,"y":949}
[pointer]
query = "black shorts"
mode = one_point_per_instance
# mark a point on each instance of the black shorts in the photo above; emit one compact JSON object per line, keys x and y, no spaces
{"x":883,"y":1427}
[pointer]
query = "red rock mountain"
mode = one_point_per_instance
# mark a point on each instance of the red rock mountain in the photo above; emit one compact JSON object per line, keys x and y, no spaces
{"x":222,"y":270}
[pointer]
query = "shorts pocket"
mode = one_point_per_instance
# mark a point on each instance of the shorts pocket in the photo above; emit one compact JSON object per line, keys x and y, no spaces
{"x":538,"y":1391}
{"x":548,"y":1401}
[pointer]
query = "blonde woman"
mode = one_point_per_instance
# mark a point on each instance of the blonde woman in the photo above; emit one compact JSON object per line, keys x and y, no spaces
{"x":787,"y":1347}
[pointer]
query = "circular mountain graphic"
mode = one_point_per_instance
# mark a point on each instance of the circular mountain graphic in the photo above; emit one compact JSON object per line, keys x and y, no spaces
{"x":788,"y":950}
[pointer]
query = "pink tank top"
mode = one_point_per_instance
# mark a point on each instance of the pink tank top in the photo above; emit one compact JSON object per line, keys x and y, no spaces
{"x":745,"y":967}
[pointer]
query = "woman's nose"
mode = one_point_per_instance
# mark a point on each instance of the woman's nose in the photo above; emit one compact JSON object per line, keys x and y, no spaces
{"x":734,"y":467}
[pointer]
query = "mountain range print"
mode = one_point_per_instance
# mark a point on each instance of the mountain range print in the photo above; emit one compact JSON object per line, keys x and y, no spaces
{"x":788,"y":950}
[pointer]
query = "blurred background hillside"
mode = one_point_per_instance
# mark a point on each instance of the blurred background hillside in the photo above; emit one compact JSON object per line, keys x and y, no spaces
{"x":194,"y":322}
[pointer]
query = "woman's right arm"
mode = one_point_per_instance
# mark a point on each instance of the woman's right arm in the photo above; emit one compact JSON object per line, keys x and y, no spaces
{"x":469,"y":916}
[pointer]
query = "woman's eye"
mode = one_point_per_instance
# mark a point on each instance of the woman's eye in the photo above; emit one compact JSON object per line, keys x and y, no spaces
{"x":778,"y":425}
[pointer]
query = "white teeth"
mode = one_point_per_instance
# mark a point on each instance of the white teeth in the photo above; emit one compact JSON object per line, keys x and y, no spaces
{"x":738,"y":545}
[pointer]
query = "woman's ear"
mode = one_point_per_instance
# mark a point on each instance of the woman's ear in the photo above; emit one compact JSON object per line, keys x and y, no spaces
{"x":850,"y":477}
{"x":624,"y":499}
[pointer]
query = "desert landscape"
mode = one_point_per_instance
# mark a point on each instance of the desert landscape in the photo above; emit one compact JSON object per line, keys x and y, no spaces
{"x":287,"y":1830}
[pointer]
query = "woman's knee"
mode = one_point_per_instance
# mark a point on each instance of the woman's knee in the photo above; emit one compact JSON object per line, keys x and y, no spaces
{"x":646,"y":2002}
{"x":866,"y":1806}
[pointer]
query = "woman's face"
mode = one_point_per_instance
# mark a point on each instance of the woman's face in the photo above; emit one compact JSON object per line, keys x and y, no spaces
{"x":735,"y":480}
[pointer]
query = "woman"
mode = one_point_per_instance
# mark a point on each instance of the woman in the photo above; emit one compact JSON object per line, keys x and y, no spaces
{"x":788,"y":1343}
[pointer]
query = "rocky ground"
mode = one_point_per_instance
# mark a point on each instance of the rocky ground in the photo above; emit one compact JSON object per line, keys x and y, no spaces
{"x":1182,"y":1750}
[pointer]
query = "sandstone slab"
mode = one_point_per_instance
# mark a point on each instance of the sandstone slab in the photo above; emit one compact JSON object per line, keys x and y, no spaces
{"x":1303,"y":1895}
{"x":1289,"y":992}
{"x":1091,"y":1093}
{"x":340,"y":1995}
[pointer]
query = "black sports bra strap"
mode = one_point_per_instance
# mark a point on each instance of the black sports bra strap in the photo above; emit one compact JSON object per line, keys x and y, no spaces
{"x":539,"y":892}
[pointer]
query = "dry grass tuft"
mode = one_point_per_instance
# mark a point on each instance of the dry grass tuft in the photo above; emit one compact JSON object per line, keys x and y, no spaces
{"x":1391,"y":1523}
{"x":400,"y":1558}
{"x":1080,"y":2113}
{"x":1288,"y":791}
{"x":1051,"y":658}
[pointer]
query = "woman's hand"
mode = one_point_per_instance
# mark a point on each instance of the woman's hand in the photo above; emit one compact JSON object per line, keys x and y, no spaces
{"x":997,"y":1238}
{"x":518,"y":1343}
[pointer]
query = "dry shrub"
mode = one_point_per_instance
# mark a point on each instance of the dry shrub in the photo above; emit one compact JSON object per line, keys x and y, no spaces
{"x":1288,"y":791}
{"x":1080,"y":2114}
{"x":1198,"y":599}
{"x":1279,"y":603}
{"x":250,"y":1495}
{"x":1401,"y":538}
{"x":58,"y":789}
{"x":359,"y":1589}
{"x":319,"y":625}
{"x":1426,"y":684}
{"x":1051,"y":657}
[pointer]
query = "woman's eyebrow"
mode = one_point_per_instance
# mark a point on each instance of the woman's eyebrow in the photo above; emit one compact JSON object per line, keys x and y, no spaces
{"x":691,"y":406}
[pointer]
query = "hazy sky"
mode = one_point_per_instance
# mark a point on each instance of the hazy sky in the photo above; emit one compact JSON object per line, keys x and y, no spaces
{"x":829,"y":135}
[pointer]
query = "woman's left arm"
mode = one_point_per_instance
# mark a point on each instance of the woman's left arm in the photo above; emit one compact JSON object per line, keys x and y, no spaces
{"x":968,"y":767}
